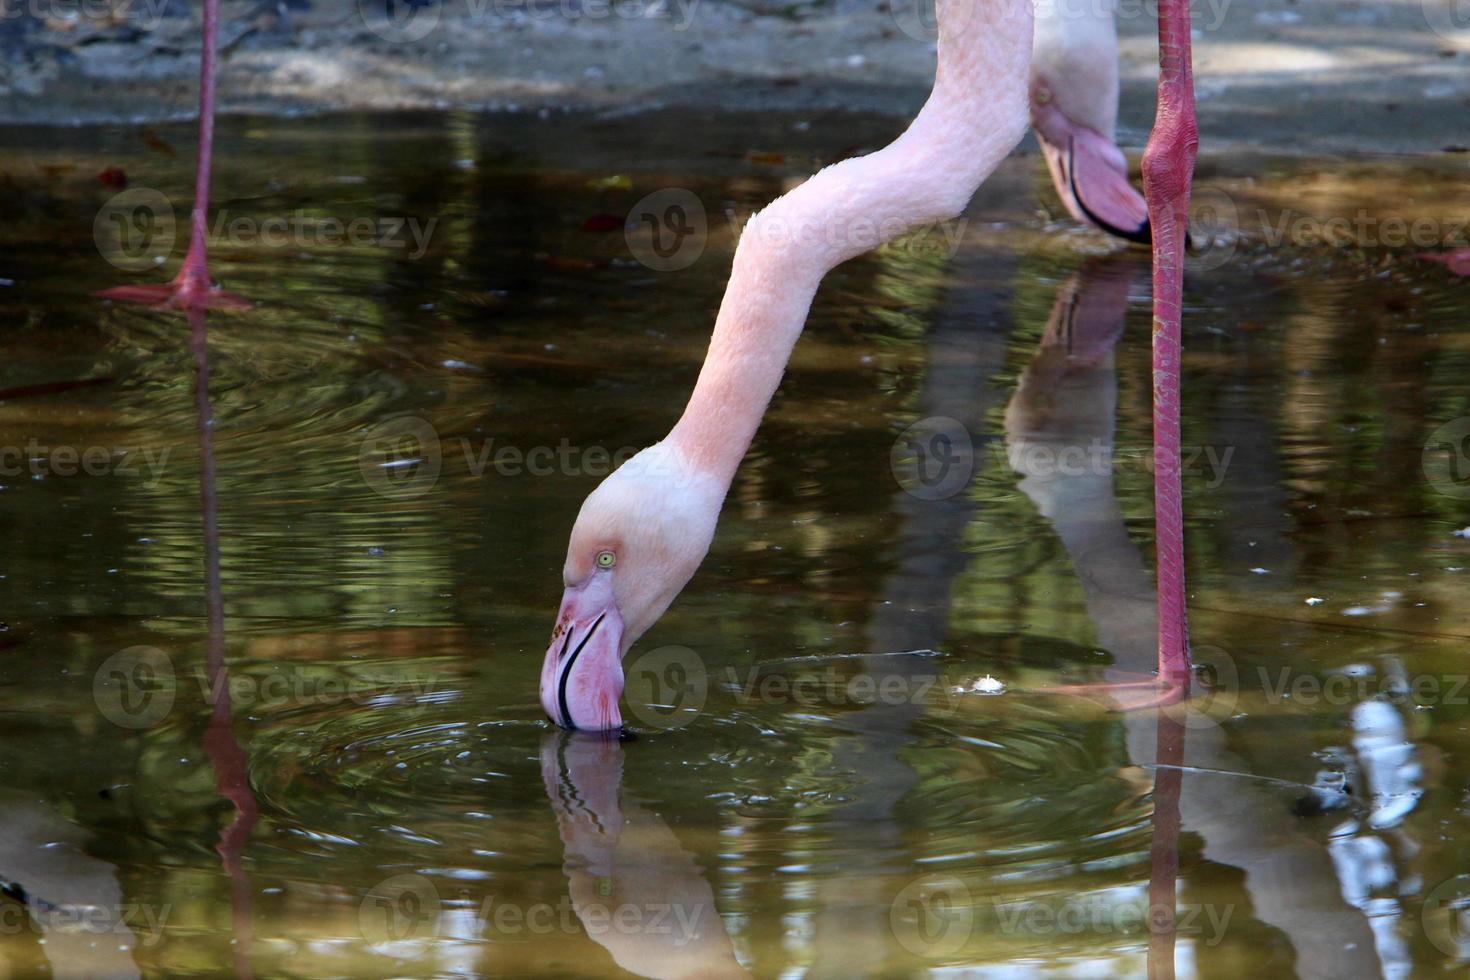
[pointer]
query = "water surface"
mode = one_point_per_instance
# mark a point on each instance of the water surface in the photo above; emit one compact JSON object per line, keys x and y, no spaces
{"x":404,"y":427}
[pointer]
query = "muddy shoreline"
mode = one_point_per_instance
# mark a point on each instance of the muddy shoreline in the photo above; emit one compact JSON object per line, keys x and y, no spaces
{"x":1315,"y":76}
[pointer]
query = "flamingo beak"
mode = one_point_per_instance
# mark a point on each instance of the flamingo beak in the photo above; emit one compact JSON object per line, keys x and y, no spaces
{"x":582,"y":677}
{"x":1090,"y":173}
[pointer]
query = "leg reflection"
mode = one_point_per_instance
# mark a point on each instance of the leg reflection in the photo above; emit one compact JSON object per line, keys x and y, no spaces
{"x":1064,"y":410}
{"x":231,"y":764}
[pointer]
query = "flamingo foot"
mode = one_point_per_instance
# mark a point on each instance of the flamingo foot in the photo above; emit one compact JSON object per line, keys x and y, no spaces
{"x":191,"y":289}
{"x":181,"y":294}
{"x":1147,"y":691}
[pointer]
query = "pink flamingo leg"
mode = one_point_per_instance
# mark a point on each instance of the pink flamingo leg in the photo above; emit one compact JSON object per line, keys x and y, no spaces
{"x":191,"y":288}
{"x":1168,"y":167}
{"x":1163,"y":878}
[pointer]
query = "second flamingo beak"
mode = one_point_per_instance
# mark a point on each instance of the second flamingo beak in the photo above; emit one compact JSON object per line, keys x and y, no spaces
{"x":582,"y":676}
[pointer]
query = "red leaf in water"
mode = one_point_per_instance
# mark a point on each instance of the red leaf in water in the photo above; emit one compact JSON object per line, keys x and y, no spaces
{"x":603,"y":222}
{"x":757,"y":156}
{"x":1457,"y":261}
{"x":113,"y":177}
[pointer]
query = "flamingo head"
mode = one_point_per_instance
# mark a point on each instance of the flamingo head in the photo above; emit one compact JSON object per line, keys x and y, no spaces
{"x":1074,"y":110}
{"x":639,"y":538}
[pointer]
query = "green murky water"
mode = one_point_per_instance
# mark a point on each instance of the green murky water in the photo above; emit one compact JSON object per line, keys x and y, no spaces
{"x":405,"y":425}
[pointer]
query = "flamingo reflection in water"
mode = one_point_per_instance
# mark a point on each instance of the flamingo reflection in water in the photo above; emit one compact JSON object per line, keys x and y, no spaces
{"x":622,"y":859}
{"x":621,"y":853}
{"x":1066,"y":401}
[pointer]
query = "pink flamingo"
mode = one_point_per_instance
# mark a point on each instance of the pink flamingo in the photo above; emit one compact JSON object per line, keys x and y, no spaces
{"x":191,"y":288}
{"x":643,"y":532}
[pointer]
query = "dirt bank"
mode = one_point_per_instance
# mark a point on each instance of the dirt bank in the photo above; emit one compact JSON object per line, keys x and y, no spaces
{"x":1312,"y":75}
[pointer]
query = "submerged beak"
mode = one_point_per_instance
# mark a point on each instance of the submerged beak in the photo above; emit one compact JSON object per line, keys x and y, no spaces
{"x":582,"y":677}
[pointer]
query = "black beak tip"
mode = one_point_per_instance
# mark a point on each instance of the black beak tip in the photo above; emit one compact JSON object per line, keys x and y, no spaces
{"x":1143,"y":235}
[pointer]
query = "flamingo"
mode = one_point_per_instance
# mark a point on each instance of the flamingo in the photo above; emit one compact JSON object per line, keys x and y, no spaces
{"x":642,"y":533}
{"x":192,"y":287}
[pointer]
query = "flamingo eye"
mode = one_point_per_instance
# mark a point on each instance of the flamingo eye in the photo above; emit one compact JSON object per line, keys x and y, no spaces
{"x":606,"y":559}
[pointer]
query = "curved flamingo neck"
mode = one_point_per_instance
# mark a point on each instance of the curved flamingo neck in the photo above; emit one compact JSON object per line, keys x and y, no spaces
{"x":975,"y":114}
